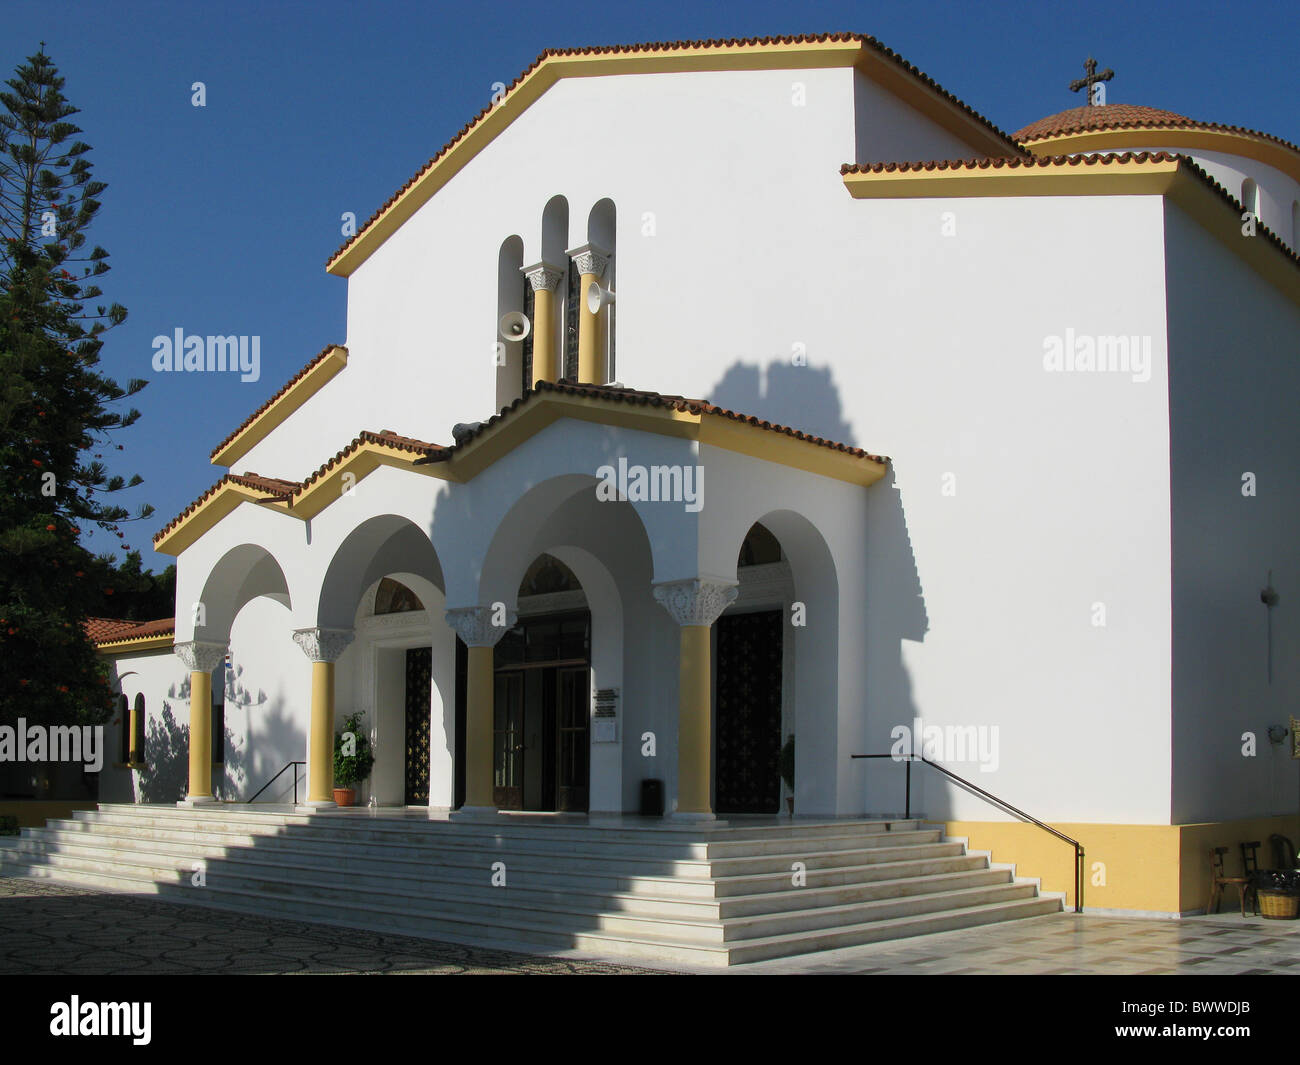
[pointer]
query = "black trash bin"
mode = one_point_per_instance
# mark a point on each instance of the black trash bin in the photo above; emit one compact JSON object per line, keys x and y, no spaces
{"x":652,"y":798}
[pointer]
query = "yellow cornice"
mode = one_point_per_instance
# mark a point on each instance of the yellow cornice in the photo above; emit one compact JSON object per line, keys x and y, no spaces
{"x":1129,"y":178}
{"x":506,"y":434}
{"x":288,"y":401}
{"x":1176,"y":180}
{"x":226,"y":497}
{"x":363,"y":460}
{"x":740,"y":56}
{"x":1187,"y":141}
{"x":714,"y":430}
{"x":138,"y":643}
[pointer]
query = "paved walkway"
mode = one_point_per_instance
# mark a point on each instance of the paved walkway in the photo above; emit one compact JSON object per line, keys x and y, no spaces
{"x":48,"y":928}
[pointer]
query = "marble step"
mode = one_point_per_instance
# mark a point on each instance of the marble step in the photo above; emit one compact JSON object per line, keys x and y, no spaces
{"x":555,"y":924}
{"x":662,"y":895}
{"x":722,"y":844}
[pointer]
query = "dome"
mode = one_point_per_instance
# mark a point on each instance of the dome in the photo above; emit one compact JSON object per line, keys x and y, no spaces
{"x":1106,"y":116}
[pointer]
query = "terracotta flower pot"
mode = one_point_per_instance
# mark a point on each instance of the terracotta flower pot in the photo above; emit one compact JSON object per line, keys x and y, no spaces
{"x":345,"y":796}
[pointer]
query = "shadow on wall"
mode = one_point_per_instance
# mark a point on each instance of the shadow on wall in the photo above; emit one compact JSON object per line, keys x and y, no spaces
{"x":167,"y":754}
{"x":806,"y":398}
{"x":802,"y":397}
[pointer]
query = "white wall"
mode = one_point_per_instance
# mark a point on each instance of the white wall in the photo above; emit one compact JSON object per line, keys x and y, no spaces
{"x":1235,"y":375}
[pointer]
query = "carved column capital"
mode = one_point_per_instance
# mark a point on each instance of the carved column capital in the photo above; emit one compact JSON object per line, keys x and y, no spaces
{"x":474,"y":624}
{"x":323,"y":645}
{"x":696,"y":600}
{"x":200,"y":656}
{"x":589,"y":259}
{"x":542,"y":276}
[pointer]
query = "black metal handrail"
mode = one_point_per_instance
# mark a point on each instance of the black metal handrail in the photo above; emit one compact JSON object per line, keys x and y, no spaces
{"x":910,"y":758}
{"x":277,"y":777}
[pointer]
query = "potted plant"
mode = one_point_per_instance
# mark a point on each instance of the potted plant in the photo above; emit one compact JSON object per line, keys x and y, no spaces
{"x":352,"y":761}
{"x":1278,"y":891}
{"x":787,"y":771}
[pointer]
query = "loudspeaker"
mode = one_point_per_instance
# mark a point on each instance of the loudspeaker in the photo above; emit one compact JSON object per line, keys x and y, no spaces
{"x":514,"y":326}
{"x":598,"y":297}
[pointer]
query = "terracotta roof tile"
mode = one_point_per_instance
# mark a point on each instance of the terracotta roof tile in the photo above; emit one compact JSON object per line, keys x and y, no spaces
{"x":113,"y":630}
{"x":638,"y":398}
{"x":273,"y":487}
{"x":280,"y":392}
{"x":387,"y":437}
{"x":1126,"y":116}
{"x":668,"y":46}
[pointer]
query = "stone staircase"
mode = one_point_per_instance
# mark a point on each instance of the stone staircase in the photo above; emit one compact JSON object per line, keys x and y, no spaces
{"x":702,"y":895}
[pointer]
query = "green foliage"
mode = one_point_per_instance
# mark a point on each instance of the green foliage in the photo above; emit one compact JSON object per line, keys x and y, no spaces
{"x":787,"y":762}
{"x":352,"y":769}
{"x":54,"y":410}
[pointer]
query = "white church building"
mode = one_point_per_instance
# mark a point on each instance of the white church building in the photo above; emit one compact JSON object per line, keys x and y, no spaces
{"x":781,"y":395}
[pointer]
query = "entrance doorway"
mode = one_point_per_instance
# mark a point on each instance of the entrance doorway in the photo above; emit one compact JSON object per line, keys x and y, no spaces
{"x":748,"y":703}
{"x":419,"y":681}
{"x":541,"y":707}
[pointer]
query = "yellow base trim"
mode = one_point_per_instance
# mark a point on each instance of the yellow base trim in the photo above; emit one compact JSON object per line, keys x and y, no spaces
{"x":1146,"y":868}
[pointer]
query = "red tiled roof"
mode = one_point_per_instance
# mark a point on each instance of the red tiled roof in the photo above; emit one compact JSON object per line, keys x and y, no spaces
{"x":1126,"y":116}
{"x":1025,"y":162}
{"x":666,"y":46}
{"x":634,"y":397}
{"x":114,"y":630}
{"x":280,"y":392}
{"x":387,"y":437}
{"x":274,"y":487}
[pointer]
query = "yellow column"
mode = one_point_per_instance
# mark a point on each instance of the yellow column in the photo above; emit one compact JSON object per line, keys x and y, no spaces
{"x":479,"y":699}
{"x":320,"y":784}
{"x":201,"y":658}
{"x":323,"y":647}
{"x":132,"y":753}
{"x":694,"y":713}
{"x":591,"y":263}
{"x":481,"y":628}
{"x":695,"y":604}
{"x":544,"y":277}
{"x":200,"y":735}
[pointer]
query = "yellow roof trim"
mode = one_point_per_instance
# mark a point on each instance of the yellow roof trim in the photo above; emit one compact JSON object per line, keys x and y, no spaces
{"x":1187,"y":141}
{"x":284,"y":405}
{"x":1171,"y":179}
{"x":749,"y":56}
{"x":723,"y":432}
{"x":137,"y":643}
{"x":319,"y":493}
{"x":205,"y":516}
{"x":1131,"y":178}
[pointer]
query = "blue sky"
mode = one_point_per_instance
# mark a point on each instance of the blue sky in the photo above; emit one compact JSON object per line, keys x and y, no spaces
{"x":219,"y":219}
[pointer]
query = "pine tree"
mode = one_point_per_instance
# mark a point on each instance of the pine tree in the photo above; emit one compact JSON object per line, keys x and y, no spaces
{"x":54,"y":408}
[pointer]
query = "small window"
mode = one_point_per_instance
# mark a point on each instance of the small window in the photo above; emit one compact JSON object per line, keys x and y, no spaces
{"x":1250,"y":196}
{"x":124,"y":727}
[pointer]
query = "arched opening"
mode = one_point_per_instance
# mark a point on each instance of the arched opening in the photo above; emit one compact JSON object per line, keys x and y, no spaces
{"x":513,"y":340}
{"x":136,"y":744}
{"x":124,"y":729}
{"x":1250,"y":196}
{"x":753,"y":711}
{"x":542,"y":697}
{"x":602,"y":231}
{"x":399,"y":672}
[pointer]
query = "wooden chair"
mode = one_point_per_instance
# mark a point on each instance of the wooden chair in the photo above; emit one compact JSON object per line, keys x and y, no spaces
{"x":1283,"y":851}
{"x":1245,"y":885}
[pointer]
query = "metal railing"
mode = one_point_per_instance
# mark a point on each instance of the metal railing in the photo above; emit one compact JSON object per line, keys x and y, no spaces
{"x":277,"y":777}
{"x":988,"y":795}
